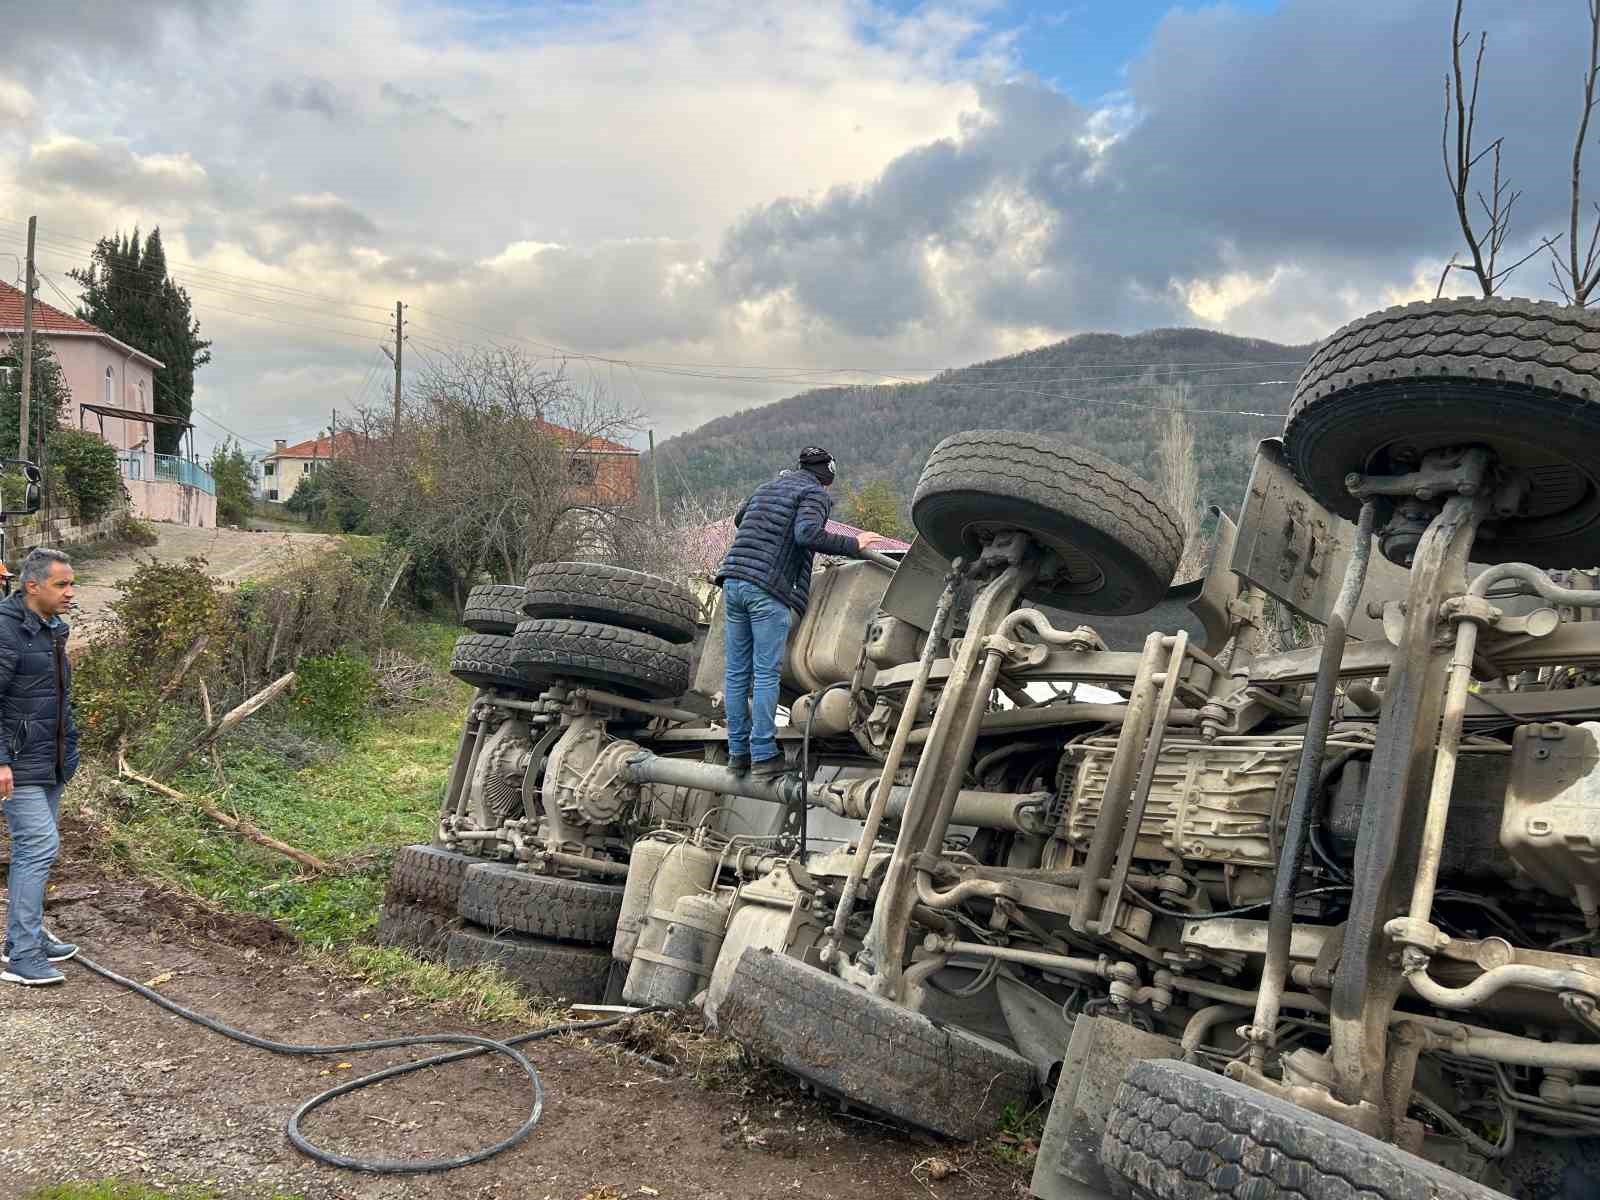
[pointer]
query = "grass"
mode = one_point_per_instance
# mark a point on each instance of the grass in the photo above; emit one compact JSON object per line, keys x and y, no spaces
{"x":681,"y":1040}
{"x":348,"y":803}
{"x":119,"y":1189}
{"x":481,"y":993}
{"x":430,"y":641}
{"x":379,"y":791}
{"x":1016,"y":1139}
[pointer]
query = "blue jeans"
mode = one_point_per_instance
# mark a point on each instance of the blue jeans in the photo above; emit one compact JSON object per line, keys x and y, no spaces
{"x":31,"y":817}
{"x":755,"y":627}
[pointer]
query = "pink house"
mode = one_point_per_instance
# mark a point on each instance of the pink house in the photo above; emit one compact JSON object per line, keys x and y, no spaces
{"x":113,"y":395}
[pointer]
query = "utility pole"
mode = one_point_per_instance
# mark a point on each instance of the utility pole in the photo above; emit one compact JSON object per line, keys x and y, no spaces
{"x":655,"y":476}
{"x":399,"y":346}
{"x":27,"y":346}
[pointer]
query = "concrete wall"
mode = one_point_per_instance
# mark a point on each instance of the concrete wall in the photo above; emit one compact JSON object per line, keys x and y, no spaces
{"x":286,"y":476}
{"x":163,"y":500}
{"x":615,"y":478}
{"x":84,"y":363}
{"x":24,"y":534}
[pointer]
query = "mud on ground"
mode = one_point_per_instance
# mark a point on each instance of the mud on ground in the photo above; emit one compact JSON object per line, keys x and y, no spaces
{"x":98,"y":1082}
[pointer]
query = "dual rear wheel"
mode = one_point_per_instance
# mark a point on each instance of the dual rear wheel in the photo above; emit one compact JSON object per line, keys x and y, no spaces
{"x":587,"y":622}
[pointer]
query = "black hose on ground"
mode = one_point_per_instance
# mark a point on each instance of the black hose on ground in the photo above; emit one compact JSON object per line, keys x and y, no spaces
{"x":475,"y":1046}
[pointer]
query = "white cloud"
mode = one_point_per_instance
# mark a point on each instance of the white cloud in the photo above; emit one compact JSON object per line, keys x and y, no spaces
{"x":718,"y":181}
{"x":16,"y":101}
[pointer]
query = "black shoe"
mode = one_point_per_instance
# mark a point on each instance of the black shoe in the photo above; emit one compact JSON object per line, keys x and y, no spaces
{"x":739,"y":762}
{"x":764,"y":769}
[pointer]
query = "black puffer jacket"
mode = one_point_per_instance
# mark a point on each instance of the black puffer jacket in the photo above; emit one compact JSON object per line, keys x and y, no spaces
{"x":781,"y":526}
{"x":38,"y":737}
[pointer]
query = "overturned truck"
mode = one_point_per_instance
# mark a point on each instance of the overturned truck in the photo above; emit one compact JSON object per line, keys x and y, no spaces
{"x":1315,"y":921}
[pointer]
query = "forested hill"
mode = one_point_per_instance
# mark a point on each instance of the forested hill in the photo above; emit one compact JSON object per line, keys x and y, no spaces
{"x":1101,"y":390}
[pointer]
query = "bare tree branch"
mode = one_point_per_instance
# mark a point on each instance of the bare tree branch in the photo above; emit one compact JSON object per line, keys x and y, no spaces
{"x":1577,"y":278}
{"x":1498,"y":204}
{"x":1445,"y":274}
{"x":500,"y":462}
{"x":1458,"y":168}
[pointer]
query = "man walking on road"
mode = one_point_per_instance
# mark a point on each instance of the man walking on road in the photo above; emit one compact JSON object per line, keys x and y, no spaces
{"x":766,"y":581}
{"x":38,"y":754}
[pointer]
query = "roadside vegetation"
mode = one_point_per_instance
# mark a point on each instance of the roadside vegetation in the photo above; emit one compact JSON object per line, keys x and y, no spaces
{"x":342,"y":764}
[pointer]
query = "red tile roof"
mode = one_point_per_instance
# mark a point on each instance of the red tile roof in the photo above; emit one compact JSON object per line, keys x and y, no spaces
{"x":324,"y":447}
{"x":321,"y":447}
{"x":47,"y":319}
{"x":882,"y":543}
{"x":720,"y":533}
{"x":569,"y":439}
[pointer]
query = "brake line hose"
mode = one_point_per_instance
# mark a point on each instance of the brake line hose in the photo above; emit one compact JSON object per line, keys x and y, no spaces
{"x":474,"y":1047}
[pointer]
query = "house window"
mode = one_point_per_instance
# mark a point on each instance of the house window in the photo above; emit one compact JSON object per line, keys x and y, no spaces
{"x":270,"y":469}
{"x":142,"y":407}
{"x":111,"y":393}
{"x":8,"y":376}
{"x":581,"y":470}
{"x":272,"y":493}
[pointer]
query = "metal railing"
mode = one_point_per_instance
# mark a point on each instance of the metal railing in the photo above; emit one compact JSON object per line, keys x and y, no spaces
{"x":169,"y":469}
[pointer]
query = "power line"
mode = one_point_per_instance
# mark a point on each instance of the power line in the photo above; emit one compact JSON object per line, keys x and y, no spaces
{"x":68,"y":240}
{"x":767,"y":375}
{"x":654,"y":364}
{"x":348,"y":334}
{"x":207,"y":304}
{"x":259,"y":290}
{"x":231,"y":433}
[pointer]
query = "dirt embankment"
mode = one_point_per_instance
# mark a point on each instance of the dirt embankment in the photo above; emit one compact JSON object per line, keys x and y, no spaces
{"x":99,"y":1082}
{"x":232,"y":555}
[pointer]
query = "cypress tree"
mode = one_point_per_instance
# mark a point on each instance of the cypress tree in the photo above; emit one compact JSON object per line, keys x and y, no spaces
{"x":128,"y":293}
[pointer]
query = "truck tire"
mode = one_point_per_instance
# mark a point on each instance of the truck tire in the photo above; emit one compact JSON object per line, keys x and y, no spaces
{"x":485,"y":660}
{"x":493,"y":608}
{"x":1520,"y":376}
{"x":428,"y":876}
{"x":422,"y":930}
{"x":1118,"y":545}
{"x":574,"y":973}
{"x":637,"y":664}
{"x":612,"y":596}
{"x":498,"y":896}
{"x":1177,"y":1130}
{"x":869,"y":1051}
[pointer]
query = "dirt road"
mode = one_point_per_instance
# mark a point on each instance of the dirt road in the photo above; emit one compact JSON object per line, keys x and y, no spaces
{"x":231,"y":554}
{"x":99,"y":1082}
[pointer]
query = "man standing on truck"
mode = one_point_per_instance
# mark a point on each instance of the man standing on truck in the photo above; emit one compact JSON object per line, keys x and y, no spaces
{"x":766,"y":581}
{"x":38,"y":754}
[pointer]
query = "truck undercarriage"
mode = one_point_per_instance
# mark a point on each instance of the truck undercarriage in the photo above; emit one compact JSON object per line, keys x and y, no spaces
{"x":1314,"y":920}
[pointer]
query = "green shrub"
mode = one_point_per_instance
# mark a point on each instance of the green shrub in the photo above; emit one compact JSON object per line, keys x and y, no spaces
{"x":332,"y":693}
{"x":111,"y":695}
{"x":164,"y":607}
{"x":90,"y":469}
{"x":230,"y":471}
{"x":135,"y":532}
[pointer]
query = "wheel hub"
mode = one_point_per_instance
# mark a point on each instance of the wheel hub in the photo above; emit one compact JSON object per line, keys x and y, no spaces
{"x":1418,"y":485}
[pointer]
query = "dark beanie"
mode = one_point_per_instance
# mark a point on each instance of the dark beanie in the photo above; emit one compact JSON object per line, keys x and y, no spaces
{"x":819,"y":462}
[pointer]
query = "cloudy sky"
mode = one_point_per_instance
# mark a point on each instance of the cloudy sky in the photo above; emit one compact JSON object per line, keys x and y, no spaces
{"x":719,"y":201}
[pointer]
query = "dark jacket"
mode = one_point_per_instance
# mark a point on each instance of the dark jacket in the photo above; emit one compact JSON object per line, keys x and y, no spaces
{"x":780,"y":528}
{"x":38,"y":737}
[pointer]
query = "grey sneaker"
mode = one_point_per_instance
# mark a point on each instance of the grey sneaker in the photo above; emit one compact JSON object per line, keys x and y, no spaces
{"x":34,"y":972}
{"x":53,"y":950}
